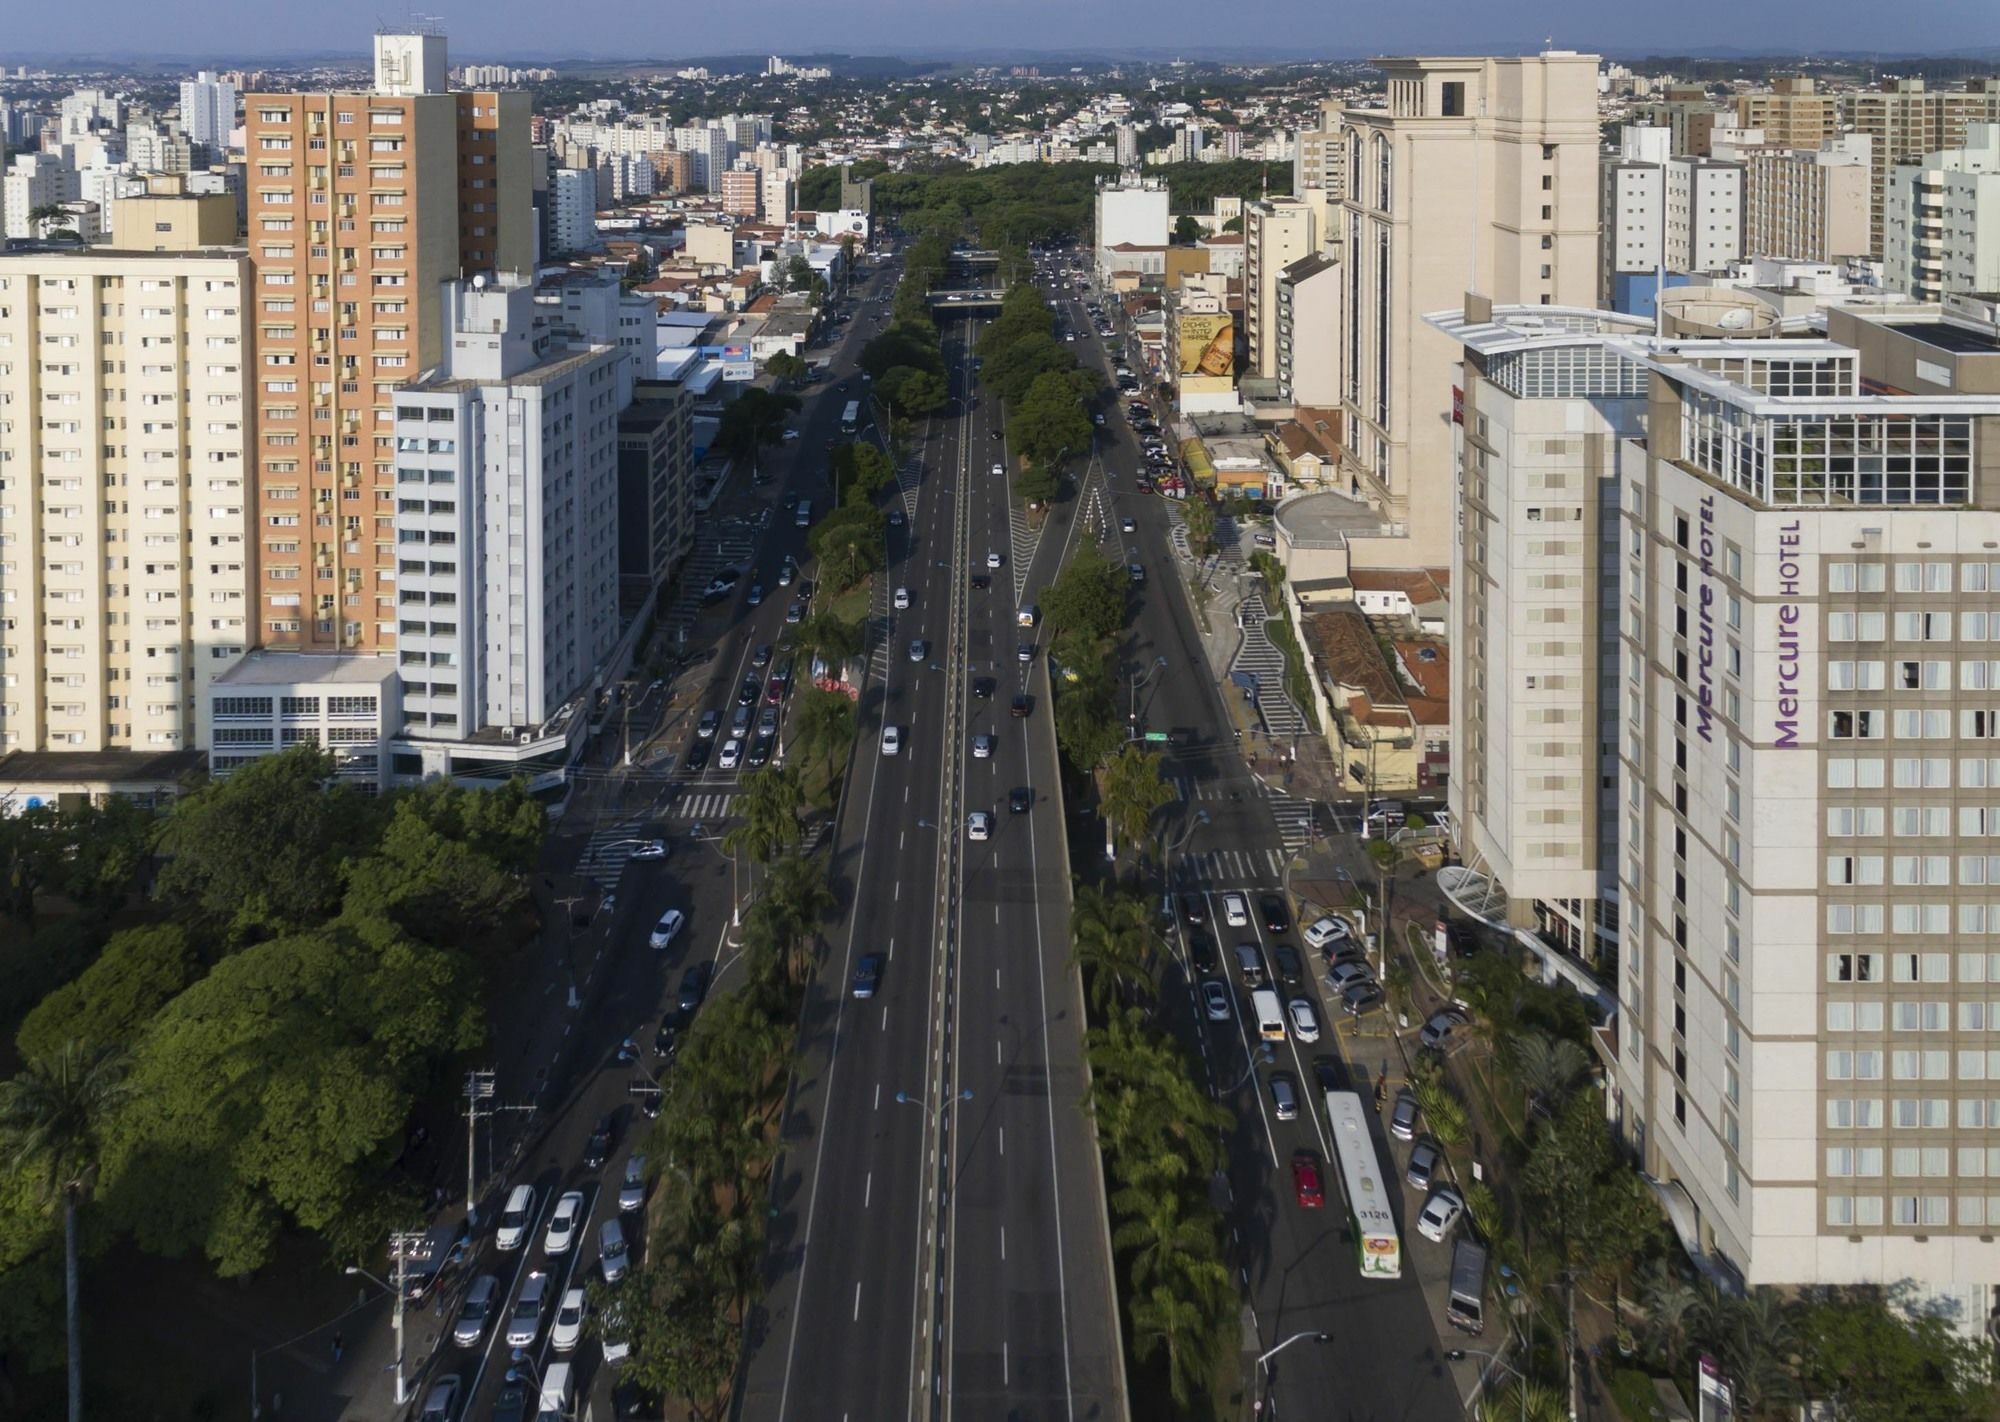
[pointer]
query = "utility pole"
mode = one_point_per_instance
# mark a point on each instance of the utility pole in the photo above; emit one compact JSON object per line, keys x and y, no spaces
{"x":479,"y":1106}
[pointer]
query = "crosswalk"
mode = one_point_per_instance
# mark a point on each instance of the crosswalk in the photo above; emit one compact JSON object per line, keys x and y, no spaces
{"x":727,"y":543}
{"x":1215,"y":868}
{"x":607,"y":851}
{"x":1292,"y":813}
{"x":707,"y":805}
{"x":1259,"y":657}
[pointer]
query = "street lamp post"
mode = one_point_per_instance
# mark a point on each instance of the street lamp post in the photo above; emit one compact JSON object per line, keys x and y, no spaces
{"x":399,"y":1247}
{"x":936,"y":1113}
{"x":1459,"y":1355}
{"x":1264,"y":1358}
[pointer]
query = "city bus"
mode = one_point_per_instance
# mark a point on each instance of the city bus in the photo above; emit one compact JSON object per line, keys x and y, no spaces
{"x":850,"y":417}
{"x":1379,"y":1250}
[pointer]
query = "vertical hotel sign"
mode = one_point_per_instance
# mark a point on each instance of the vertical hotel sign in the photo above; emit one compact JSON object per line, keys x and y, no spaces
{"x":1791,"y":614}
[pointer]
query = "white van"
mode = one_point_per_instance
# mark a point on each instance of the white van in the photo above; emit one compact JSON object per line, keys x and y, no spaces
{"x":558,"y":1400}
{"x":1270,"y":1015}
{"x":515,"y":1218}
{"x":1028,"y":615}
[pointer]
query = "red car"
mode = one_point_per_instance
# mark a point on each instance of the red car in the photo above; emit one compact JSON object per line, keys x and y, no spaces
{"x":1305,"y":1180}
{"x":1145,"y":486}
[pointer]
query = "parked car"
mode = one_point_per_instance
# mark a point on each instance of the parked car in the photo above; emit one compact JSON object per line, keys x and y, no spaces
{"x":1440,"y":1213}
{"x":1361,"y":998}
{"x":1324,"y":932}
{"x":1440,"y":1027}
{"x":1235,"y":912}
{"x":694,"y":985}
{"x":1250,"y":963}
{"x":1424,"y":1162}
{"x":1403,"y":1117}
{"x":1194,"y":909}
{"x":1340,"y":975}
{"x":1291,"y":971}
{"x":612,"y":1259}
{"x":441,"y":1402}
{"x":1328,"y":1075}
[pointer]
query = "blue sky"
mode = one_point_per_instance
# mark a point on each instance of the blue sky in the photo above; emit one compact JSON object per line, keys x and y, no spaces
{"x":227,"y":29}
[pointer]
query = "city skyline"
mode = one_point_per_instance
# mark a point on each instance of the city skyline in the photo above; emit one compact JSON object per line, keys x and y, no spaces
{"x":1176,"y":28}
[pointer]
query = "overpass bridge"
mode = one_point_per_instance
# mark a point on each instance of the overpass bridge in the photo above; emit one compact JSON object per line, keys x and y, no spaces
{"x":972,"y":260}
{"x":982,"y":299}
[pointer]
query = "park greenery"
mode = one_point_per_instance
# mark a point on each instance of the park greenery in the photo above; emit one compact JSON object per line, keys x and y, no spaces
{"x":1085,"y":608}
{"x":754,"y":421}
{"x":236,"y":1057}
{"x":1046,"y":392}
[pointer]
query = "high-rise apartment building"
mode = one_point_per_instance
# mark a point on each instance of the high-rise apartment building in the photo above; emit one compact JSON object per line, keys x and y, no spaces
{"x":1792,"y":113}
{"x":1904,"y":120}
{"x":1276,"y":233}
{"x":1308,"y":339}
{"x":710,"y":152}
{"x":1740,"y":581}
{"x":1811,"y":205}
{"x":34,"y":180}
{"x":1661,"y":212}
{"x":1128,"y":209}
{"x":741,"y":189}
{"x":1941,"y":220}
{"x":127,"y":570}
{"x":208,"y":111}
{"x":361,"y":205}
{"x":156,"y":148}
{"x":777,"y":192}
{"x":1480,"y":173}
{"x":573,"y":210}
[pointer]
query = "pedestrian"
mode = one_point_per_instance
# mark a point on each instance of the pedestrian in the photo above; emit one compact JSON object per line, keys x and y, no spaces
{"x":339,"y":1346}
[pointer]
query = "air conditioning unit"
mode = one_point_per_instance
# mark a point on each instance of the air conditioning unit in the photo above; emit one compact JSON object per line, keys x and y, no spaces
{"x":525,"y":737}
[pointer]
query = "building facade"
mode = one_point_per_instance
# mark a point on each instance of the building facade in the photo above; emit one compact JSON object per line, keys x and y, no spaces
{"x":360,"y":206}
{"x":1128,"y":210}
{"x":1308,"y":339}
{"x":1905,"y":119}
{"x":1479,"y":172}
{"x":127,"y":569}
{"x":1791,"y":114}
{"x":1276,"y":233}
{"x":1941,"y":220}
{"x":1807,"y":205}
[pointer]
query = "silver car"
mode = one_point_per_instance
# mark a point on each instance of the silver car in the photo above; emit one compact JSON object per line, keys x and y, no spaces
{"x":476,"y":1312}
{"x":632,"y":1190}
{"x":525,"y":1322}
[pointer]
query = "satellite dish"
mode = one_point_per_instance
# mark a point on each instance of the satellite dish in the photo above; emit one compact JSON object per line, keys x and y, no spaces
{"x":1734,"y":320}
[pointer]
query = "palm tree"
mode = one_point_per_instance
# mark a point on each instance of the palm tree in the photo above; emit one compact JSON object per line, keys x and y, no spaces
{"x":1757,"y":1344}
{"x":53,"y":1118}
{"x":1536,"y":1401}
{"x":797,"y":889}
{"x":822,"y":726}
{"x":1114,"y":944}
{"x":1162,"y":1239}
{"x":1163,"y":1317}
{"x":52,"y":218}
{"x":770,"y":800}
{"x":829,"y":637}
{"x":1549,"y":1069}
{"x":1132,"y":791}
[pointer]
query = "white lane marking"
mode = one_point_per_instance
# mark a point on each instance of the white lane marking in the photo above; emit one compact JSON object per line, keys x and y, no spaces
{"x":1002,"y":1138}
{"x":868,"y":1190}
{"x":857,"y":1300}
{"x":1003,"y":1248}
{"x":878,"y":1096}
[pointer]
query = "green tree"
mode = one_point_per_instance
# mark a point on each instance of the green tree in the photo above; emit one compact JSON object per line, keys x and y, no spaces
{"x":1131,"y":789}
{"x":903,"y":343}
{"x":1199,"y":515}
{"x":1036,"y":485}
{"x":1162,"y":1317}
{"x":1010,"y":372}
{"x":683,"y":1342}
{"x":829,"y":637}
{"x":140,"y":971}
{"x":822,"y":727}
{"x":438,"y":889}
{"x":53,"y":1120}
{"x":784,"y":367}
{"x":1090,"y":596}
{"x":848,"y":544}
{"x":861,"y":471}
{"x":1547,"y":1068}
{"x":1114,"y":946}
{"x":1875,"y":1364}
{"x":261,"y":851}
{"x":769,"y":802}
{"x":1186,"y":230}
{"x":907,"y":390}
{"x":754,"y":420}
{"x":1050,"y":423}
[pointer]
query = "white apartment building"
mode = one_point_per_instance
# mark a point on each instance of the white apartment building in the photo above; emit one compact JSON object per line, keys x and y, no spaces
{"x":125,"y":562}
{"x":34,"y":180}
{"x":1308,"y":332}
{"x":573,"y":209}
{"x":1661,"y":212}
{"x":1128,"y":209}
{"x":777,"y":193}
{"x":1276,"y":233}
{"x":1479,"y":174}
{"x":208,"y":111}
{"x":1809,"y":205}
{"x":1941,"y":220}
{"x":710,"y":153}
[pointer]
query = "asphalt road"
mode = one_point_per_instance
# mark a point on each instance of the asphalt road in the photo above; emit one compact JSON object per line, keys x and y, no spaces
{"x":938,"y":1244}
{"x":1298,"y":1266}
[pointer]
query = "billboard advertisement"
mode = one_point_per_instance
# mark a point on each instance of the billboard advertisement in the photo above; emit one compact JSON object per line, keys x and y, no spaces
{"x":1208,"y":345}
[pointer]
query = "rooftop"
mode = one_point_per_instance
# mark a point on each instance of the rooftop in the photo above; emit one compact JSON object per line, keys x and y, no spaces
{"x":1325,"y":518}
{"x":267,"y":668}
{"x":1949,"y":336}
{"x":24,"y":767}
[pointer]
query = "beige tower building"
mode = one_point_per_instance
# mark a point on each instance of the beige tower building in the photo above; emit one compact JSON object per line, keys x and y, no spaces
{"x":126,"y":447}
{"x":1480,"y":174}
{"x":1791,"y":114}
{"x":1276,"y":233}
{"x":360,"y":206}
{"x":1905,"y":120}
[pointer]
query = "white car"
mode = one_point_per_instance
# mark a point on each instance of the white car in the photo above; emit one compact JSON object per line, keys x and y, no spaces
{"x":669,"y":925}
{"x":892,"y":740}
{"x":567,"y":1331}
{"x":992,"y":560}
{"x":982,"y":747}
{"x":561,"y":1233}
{"x":1305,"y":1021}
{"x":1215,"y":1000}
{"x":979,"y":825}
{"x":515,"y":1217}
{"x":1325,"y":931}
{"x":999,"y":471}
{"x":732,"y":754}
{"x":650,"y":849}
{"x":1235,"y":911}
{"x":902,"y":599}
{"x":1441,"y":1212}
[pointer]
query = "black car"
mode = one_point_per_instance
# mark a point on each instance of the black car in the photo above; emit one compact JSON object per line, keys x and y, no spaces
{"x":1022,"y":704}
{"x":1201,"y":949}
{"x":982,"y":688}
{"x":598,"y":1149}
{"x":1461,"y":938}
{"x":512,"y":1403}
{"x":758,"y":752}
{"x":697,"y":755}
{"x":1194,"y":908}
{"x":748,"y":693}
{"x":667,"y":1041}
{"x":980,"y":582}
{"x":694,"y":985}
{"x":1326,"y":1071}
{"x":1291,"y":971}
{"x":762,"y":656}
{"x":1020,"y":800}
{"x":1276,"y":919}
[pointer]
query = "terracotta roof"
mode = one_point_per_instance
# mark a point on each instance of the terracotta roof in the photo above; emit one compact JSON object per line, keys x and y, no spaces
{"x":1344,"y":646}
{"x":746,"y":280}
{"x":1221,"y":239}
{"x":1427,"y":662}
{"x":767,"y":302}
{"x":1414,"y":583}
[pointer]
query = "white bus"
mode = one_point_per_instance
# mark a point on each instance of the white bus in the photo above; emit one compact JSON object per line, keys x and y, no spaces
{"x":850,"y":418}
{"x":1380,"y":1251}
